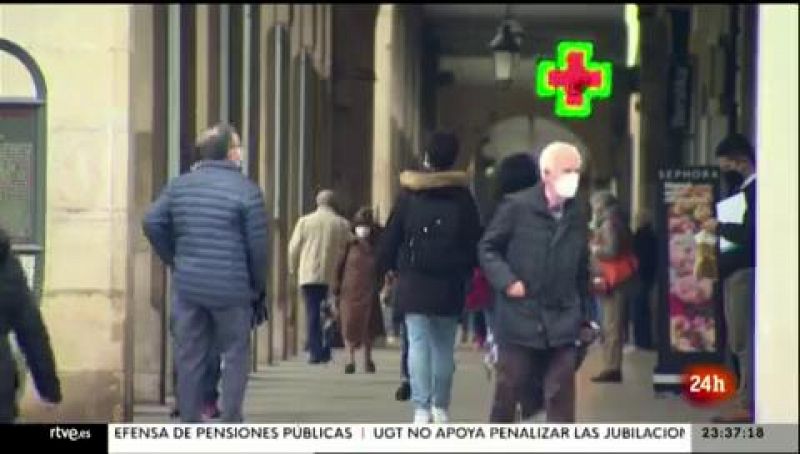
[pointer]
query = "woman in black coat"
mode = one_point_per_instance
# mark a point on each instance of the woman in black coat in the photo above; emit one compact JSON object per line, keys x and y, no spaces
{"x":20,"y":315}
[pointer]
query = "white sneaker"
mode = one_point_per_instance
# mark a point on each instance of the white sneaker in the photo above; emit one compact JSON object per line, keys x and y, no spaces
{"x":440,"y":415}
{"x":422,"y":416}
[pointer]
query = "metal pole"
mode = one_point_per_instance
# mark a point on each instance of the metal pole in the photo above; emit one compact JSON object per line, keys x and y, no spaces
{"x":245,"y":133}
{"x":224,"y":62}
{"x":173,"y":90}
{"x":279,"y":88}
{"x":301,"y":131}
{"x":173,"y":158}
{"x":247,"y":22}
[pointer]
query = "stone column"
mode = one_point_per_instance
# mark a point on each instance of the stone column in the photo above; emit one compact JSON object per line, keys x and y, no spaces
{"x":653,"y":80}
{"x":776,"y":139}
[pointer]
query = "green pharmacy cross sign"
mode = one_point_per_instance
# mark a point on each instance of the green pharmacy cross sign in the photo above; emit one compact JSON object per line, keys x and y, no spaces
{"x":574,"y":79}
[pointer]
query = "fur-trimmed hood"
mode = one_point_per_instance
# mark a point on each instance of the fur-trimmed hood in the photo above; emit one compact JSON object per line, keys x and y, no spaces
{"x":420,"y":181}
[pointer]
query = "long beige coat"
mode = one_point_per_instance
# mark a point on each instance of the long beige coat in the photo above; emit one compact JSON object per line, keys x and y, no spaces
{"x":317,"y":245}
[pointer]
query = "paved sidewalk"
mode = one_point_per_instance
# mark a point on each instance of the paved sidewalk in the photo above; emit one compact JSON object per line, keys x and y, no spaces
{"x":293,"y":391}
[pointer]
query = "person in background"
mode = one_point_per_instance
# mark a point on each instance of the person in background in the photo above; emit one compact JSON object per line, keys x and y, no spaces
{"x":315,"y":249}
{"x":612,"y":240}
{"x":645,"y":245}
{"x":216,"y":298}
{"x":478,"y":301}
{"x":357,"y":288}
{"x":535,"y":251}
{"x":737,"y":269}
{"x":20,"y":315}
{"x":430,"y":240}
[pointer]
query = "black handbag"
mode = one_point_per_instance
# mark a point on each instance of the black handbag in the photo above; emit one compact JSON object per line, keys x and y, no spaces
{"x":331,"y":331}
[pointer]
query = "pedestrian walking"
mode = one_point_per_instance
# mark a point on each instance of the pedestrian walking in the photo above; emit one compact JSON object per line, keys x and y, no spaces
{"x":535,"y":251}
{"x":357,"y":292}
{"x":20,"y":315}
{"x":209,"y":226}
{"x":317,"y":245}
{"x":430,"y":240}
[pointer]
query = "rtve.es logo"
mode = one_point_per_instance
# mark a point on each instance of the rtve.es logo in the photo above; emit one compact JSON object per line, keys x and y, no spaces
{"x":708,"y":384}
{"x":71,"y":434}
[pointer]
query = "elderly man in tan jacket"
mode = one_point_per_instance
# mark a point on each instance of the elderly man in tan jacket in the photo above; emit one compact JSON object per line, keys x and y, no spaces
{"x":317,"y":245}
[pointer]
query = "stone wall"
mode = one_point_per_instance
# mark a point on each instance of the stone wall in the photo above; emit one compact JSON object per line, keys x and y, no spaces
{"x":83,"y":52}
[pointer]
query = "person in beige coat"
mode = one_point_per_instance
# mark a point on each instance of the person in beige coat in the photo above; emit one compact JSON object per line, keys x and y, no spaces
{"x":315,"y":249}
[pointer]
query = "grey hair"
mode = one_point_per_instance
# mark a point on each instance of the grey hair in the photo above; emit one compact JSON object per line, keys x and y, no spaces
{"x":325,"y":198}
{"x":549,"y":153}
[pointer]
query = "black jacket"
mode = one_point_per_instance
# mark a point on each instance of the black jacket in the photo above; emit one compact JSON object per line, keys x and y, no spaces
{"x":743,"y":235}
{"x":20,"y":315}
{"x":420,"y":293}
{"x":525,"y":242}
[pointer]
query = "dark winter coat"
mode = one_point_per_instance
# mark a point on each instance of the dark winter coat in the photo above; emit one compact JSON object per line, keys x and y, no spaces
{"x":357,"y":288}
{"x":210,"y":227}
{"x":19,"y":314}
{"x":525,"y":242}
{"x":421,"y":293}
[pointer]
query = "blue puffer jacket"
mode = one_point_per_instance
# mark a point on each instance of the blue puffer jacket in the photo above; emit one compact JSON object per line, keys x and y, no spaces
{"x":210,"y":227}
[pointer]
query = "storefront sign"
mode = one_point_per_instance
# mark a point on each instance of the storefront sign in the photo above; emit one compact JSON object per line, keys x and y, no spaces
{"x":574,"y":80}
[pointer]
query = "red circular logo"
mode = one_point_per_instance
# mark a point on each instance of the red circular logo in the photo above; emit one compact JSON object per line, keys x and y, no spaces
{"x":708,"y":384}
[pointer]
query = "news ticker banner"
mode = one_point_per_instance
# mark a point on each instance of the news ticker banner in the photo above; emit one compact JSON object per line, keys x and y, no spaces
{"x":390,"y":438}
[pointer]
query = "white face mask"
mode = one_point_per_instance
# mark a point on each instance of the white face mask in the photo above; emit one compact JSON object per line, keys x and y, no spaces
{"x":567,"y":185}
{"x":362,"y":231}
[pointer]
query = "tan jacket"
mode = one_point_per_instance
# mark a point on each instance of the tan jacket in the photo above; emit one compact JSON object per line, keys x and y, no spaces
{"x":318,"y":243}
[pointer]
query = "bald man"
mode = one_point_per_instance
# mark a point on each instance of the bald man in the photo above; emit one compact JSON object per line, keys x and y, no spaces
{"x":535,"y":253}
{"x":317,"y":244}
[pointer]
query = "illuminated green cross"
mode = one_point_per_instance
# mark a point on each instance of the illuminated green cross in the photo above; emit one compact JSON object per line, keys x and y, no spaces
{"x":576,"y":81}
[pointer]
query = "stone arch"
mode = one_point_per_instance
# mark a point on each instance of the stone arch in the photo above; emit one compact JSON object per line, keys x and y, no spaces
{"x":515,"y":134}
{"x":523,"y":133}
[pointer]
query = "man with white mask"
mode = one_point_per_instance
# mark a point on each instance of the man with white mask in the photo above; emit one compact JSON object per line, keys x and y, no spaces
{"x":535,"y":253}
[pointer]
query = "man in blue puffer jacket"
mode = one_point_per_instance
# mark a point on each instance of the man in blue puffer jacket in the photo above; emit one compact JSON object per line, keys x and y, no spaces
{"x":210,"y":227}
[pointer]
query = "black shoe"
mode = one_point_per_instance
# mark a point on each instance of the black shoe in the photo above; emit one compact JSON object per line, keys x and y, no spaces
{"x":174,"y":414}
{"x":350,"y":368}
{"x":369,"y":367}
{"x":609,"y":376}
{"x":403,"y":392}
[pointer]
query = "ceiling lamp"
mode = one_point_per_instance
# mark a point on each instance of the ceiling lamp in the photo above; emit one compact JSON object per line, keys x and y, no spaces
{"x":506,"y":47}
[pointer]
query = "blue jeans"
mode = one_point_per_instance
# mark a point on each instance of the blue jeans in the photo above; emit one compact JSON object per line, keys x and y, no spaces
{"x":431,"y":359}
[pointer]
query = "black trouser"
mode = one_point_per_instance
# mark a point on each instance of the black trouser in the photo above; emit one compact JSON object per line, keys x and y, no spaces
{"x":640,"y":315}
{"x":398,"y":320}
{"x":522,"y":371}
{"x":479,"y":324}
{"x":315,"y":295}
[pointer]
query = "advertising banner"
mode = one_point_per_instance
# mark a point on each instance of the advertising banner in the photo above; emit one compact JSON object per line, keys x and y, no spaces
{"x":690,"y":316}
